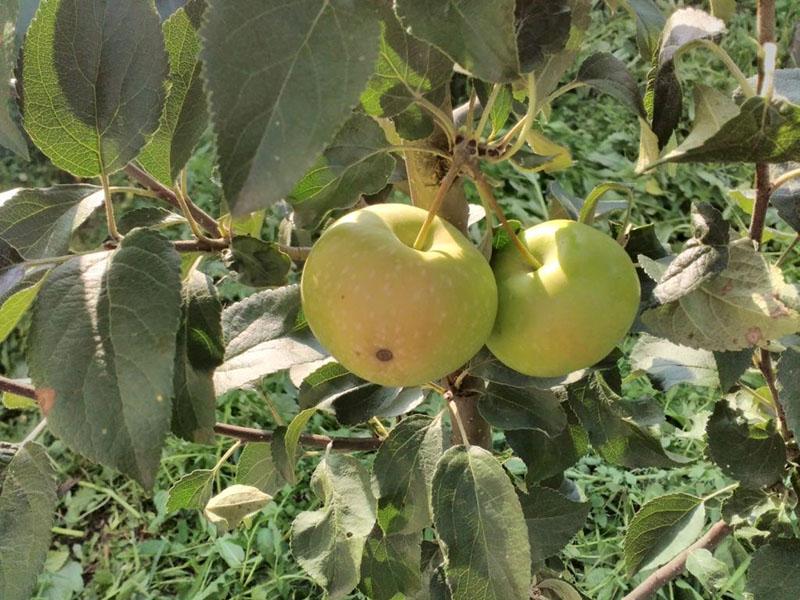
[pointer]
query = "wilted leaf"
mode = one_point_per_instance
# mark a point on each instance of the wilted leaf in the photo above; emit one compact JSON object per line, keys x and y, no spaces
{"x":102,"y":352}
{"x":771,"y":575}
{"x":313,"y":59}
{"x":481,"y":527}
{"x":27,"y":505}
{"x":661,"y":529}
{"x":329,"y":542}
{"x":671,"y":364}
{"x":233,"y":505}
{"x":193,"y":490}
{"x":753,"y":455}
{"x":552,"y":520}
{"x":91,"y":108}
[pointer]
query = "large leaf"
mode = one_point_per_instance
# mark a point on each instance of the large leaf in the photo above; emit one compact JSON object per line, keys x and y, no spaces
{"x":771,"y":575}
{"x":661,"y":529}
{"x":751,"y":454}
{"x":329,"y":542}
{"x":185,"y":116}
{"x":747,"y":304}
{"x":508,"y":407}
{"x":262,"y":338}
{"x":39,"y":222}
{"x":552,"y":520}
{"x":608,"y":74}
{"x":91,"y":106}
{"x":671,"y":364}
{"x":102,"y":352}
{"x":199,"y":351}
{"x":282,"y":79}
{"x":356,"y":162}
{"x":543,"y":28}
{"x":390,"y":569}
{"x":27,"y":506}
{"x":10,"y":135}
{"x":479,"y":36}
{"x":481,"y":527}
{"x":403,"y":470}
{"x":547,"y":456}
{"x":257,"y":468}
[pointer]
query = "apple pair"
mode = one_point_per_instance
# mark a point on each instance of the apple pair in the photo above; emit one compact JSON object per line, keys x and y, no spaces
{"x":403,"y":317}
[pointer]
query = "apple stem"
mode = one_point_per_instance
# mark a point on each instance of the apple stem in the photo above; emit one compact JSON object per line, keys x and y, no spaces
{"x":486,"y":194}
{"x":444,"y":187}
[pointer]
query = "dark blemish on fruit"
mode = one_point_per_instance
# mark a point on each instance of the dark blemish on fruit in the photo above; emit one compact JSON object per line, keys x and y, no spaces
{"x":342,"y":296}
{"x":384,"y":355}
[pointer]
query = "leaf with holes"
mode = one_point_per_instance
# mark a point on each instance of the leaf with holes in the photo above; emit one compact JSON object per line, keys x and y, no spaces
{"x":272,"y":127}
{"x":102,"y":352}
{"x":90,"y":108}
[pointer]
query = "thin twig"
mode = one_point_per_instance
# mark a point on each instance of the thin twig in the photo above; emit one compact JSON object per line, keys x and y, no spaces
{"x":662,"y":576}
{"x":113,"y":232}
{"x":433,"y":209}
{"x":35,"y":432}
{"x":248,"y":434}
{"x":17,"y":387}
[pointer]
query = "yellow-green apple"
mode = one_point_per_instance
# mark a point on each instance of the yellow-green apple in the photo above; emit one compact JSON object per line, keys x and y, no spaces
{"x":389,"y":313}
{"x":569,"y":313}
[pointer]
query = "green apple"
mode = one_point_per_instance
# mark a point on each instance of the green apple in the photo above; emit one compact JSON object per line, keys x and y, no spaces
{"x":569,"y":313}
{"x":389,"y":313}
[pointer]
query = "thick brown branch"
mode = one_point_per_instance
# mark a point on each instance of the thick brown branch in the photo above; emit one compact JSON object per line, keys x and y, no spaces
{"x":17,"y":387}
{"x":198,"y":214}
{"x":662,"y":576}
{"x":248,"y":434}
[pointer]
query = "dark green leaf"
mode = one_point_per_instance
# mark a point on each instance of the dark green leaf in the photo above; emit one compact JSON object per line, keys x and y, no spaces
{"x":102,"y":352}
{"x":10,"y":135}
{"x":543,"y":28}
{"x":731,"y":366}
{"x":479,"y":36}
{"x":649,"y":23}
{"x":39,"y":222}
{"x":789,"y":383}
{"x":753,"y":455}
{"x":608,"y":74}
{"x":15,"y":307}
{"x":313,"y":59}
{"x":292,"y":439}
{"x":257,"y":263}
{"x":772,"y":574}
{"x":27,"y":505}
{"x":261,"y":338}
{"x":546,"y":456}
{"x":356,"y":162}
{"x":91,"y":107}
{"x":661,"y":529}
{"x":154,"y":217}
{"x":329,"y":542}
{"x":257,"y":468}
{"x":786,"y":199}
{"x":199,"y":350}
{"x":507,"y":407}
{"x":193,"y":490}
{"x":643,"y":240}
{"x":486,"y":366}
{"x":670,"y":364}
{"x":552,"y":520}
{"x":185,"y":115}
{"x":739,"y":507}
{"x":280,"y":457}
{"x":390,"y":568}
{"x":403,"y":470}
{"x":480,"y":523}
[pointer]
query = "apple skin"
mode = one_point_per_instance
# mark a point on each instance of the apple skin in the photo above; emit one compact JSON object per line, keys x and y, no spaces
{"x":571,"y":312}
{"x":391,"y":314}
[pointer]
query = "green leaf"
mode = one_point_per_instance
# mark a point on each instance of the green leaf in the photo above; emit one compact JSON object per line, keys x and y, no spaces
{"x":193,"y":490}
{"x":313,"y":59}
{"x":102,"y":352}
{"x":39,"y":222}
{"x":257,"y":468}
{"x":479,"y":36}
{"x":649,"y":23}
{"x":15,"y":402}
{"x":15,"y":307}
{"x":486,"y":366}
{"x":154,"y":217}
{"x":661,"y":529}
{"x":185,"y":115}
{"x":731,"y":366}
{"x":789,"y":384}
{"x":753,"y":455}
{"x":558,"y":589}
{"x":390,"y":567}
{"x":547,"y":456}
{"x":552,"y":520}
{"x":407,"y":68}
{"x":480,"y":523}
{"x":261,"y":338}
{"x":608,"y":74}
{"x":745,"y":504}
{"x":403,"y":470}
{"x":772,"y":573}
{"x":671,"y":364}
{"x":747,"y":304}
{"x":233,"y":505}
{"x":27,"y":505}
{"x":10,"y":135}
{"x":329,"y":542}
{"x":612,"y":433}
{"x":90,"y":108}
{"x":542,"y":30}
{"x":199,"y":350}
{"x":711,"y":572}
{"x":507,"y":407}
{"x":356,"y":162}
{"x":257,"y":263}
{"x":287,"y":460}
